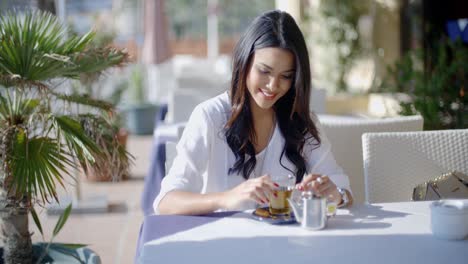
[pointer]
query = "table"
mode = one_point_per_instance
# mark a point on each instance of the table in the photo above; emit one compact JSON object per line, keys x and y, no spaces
{"x":377,"y":233}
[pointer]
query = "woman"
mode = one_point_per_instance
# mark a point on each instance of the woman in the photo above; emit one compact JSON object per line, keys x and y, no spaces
{"x":236,"y":145}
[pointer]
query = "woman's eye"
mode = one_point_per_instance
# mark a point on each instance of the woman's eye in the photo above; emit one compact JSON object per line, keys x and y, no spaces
{"x":263,"y":71}
{"x":287,"y":77}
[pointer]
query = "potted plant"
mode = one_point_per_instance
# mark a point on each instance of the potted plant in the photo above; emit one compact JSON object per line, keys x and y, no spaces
{"x":108,"y":131}
{"x":111,"y":138}
{"x":140,"y":113}
{"x":40,"y":129}
{"x":436,"y":89}
{"x":113,"y":134}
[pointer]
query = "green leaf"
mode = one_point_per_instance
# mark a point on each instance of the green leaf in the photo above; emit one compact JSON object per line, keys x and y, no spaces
{"x":62,"y":220}
{"x":85,"y":100}
{"x":4,"y":110}
{"x":69,"y":246}
{"x":29,"y":106}
{"x":37,"y":221}
{"x":76,"y":138}
{"x":37,"y":165}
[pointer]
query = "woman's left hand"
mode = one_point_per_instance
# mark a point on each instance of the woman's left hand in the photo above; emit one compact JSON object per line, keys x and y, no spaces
{"x":321,"y":185}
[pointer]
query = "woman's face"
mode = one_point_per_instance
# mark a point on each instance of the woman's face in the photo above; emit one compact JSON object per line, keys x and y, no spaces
{"x":270,"y":76}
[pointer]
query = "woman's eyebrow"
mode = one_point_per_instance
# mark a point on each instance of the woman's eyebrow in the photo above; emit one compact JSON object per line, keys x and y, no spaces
{"x":270,"y":68}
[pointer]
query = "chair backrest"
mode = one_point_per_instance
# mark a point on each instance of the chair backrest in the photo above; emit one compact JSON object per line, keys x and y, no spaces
{"x":394,"y":163}
{"x":209,"y":68}
{"x":181,"y":102}
{"x":344,"y":134}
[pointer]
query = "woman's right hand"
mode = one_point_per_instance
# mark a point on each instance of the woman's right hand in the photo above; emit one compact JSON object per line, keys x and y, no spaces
{"x":256,"y":190}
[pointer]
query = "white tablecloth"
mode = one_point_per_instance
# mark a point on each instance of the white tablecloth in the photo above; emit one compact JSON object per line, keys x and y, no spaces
{"x":380,"y":233}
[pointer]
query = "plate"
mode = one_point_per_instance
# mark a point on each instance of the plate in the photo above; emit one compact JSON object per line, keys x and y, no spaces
{"x":263,"y":214}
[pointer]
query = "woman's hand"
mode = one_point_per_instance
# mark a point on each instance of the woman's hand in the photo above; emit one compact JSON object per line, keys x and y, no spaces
{"x":257,"y":190}
{"x":321,"y":185}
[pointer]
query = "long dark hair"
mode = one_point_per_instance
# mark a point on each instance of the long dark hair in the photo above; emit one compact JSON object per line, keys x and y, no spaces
{"x":271,"y":29}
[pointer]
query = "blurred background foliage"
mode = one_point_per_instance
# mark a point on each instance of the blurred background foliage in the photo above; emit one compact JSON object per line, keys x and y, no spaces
{"x":436,"y":81}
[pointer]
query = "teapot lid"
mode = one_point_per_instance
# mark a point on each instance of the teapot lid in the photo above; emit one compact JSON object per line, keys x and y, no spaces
{"x":309,"y":195}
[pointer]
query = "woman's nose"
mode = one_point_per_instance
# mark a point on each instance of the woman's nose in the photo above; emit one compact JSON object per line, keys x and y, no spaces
{"x":272,"y":84}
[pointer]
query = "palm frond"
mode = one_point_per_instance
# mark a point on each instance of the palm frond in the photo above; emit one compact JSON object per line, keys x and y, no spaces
{"x":84,"y":100}
{"x":97,"y":59}
{"x":115,"y":161}
{"x":38,"y":48}
{"x":37,"y":166}
{"x":62,"y":220}
{"x":18,"y":109}
{"x":37,"y":221}
{"x":75,"y":137}
{"x":4,"y":108}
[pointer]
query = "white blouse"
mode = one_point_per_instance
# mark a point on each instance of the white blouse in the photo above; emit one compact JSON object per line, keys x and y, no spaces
{"x":204,"y":157}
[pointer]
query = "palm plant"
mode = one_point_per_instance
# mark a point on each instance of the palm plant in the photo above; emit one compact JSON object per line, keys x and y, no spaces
{"x":40,"y":130}
{"x":108,"y":132}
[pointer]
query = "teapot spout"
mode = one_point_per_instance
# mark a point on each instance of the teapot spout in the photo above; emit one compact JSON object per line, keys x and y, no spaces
{"x":297,"y":209}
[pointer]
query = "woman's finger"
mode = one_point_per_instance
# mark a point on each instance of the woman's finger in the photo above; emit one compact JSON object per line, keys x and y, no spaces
{"x":323,"y":184}
{"x":267,"y":182}
{"x":316,"y":183}
{"x":307,"y":181}
{"x":262,"y":197}
{"x":326,"y":190}
{"x":260,"y":189}
{"x":252,"y":194}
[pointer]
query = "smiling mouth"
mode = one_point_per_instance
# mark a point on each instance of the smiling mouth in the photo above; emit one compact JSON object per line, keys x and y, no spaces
{"x":267,"y":94}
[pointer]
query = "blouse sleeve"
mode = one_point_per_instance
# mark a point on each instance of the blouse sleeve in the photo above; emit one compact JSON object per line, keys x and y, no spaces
{"x":192,"y":157}
{"x":321,"y":161}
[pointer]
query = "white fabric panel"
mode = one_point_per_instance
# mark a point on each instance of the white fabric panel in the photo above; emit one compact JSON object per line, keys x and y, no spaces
{"x":171,"y":152}
{"x":394,"y":163}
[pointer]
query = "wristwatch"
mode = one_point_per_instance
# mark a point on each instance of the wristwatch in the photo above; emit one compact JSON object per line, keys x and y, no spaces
{"x":344,"y":198}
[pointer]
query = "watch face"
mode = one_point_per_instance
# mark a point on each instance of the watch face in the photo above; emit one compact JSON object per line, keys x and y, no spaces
{"x":344,"y":197}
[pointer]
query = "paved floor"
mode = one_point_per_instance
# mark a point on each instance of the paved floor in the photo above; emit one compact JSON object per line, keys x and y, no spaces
{"x":112,"y":235}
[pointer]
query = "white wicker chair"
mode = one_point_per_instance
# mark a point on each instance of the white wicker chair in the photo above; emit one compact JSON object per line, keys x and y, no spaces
{"x":344,"y":134}
{"x":394,"y":163}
